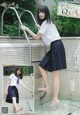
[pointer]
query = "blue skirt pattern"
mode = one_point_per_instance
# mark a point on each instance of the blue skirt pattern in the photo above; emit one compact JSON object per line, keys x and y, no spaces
{"x":54,"y":59}
{"x":12,"y":92}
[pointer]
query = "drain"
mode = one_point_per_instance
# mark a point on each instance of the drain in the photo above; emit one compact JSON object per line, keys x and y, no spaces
{"x":29,"y":107}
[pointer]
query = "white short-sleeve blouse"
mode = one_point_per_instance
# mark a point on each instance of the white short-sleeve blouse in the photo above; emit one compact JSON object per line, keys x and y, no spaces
{"x":14,"y":79}
{"x":49,"y":32}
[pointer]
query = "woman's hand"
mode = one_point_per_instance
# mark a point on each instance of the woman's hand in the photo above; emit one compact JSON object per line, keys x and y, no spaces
{"x":35,"y":36}
{"x":37,"y":25}
{"x":6,"y":93}
{"x":23,"y":27}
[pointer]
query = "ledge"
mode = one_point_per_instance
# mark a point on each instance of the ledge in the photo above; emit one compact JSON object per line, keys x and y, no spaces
{"x":19,"y":41}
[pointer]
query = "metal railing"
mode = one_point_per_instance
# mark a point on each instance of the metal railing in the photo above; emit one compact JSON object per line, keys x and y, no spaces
{"x":2,"y":19}
{"x":27,"y":11}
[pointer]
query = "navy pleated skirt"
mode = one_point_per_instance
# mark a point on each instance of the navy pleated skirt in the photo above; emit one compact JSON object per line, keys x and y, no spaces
{"x":55,"y":58}
{"x":12,"y":92}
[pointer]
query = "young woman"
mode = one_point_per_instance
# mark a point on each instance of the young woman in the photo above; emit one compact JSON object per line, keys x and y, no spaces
{"x":12,"y":95}
{"x":55,"y":59}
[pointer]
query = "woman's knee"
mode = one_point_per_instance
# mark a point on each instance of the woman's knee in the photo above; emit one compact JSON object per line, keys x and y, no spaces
{"x":56,"y":73}
{"x":14,"y":98}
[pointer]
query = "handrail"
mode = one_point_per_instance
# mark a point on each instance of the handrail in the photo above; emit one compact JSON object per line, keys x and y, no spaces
{"x":23,"y":12}
{"x":30,"y":13}
{"x":12,"y":8}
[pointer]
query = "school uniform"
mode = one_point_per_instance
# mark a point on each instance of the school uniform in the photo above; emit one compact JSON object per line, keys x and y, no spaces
{"x":12,"y":89}
{"x":55,"y":58}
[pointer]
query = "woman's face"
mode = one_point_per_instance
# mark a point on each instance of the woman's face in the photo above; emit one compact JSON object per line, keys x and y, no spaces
{"x":41,"y":15}
{"x":18,"y":72}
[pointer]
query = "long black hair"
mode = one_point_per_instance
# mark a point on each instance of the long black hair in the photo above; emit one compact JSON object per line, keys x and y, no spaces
{"x":20,"y":75}
{"x":47,"y":14}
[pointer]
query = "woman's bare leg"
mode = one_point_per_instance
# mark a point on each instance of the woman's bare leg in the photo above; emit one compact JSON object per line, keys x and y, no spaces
{"x":15,"y":107}
{"x":45,"y":77}
{"x":56,"y":85}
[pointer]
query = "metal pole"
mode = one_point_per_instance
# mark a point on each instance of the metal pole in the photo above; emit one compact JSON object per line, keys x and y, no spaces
{"x":23,"y":12}
{"x":20,"y":24}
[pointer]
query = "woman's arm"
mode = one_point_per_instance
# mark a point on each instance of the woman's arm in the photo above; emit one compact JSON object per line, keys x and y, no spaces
{"x":26,"y":87}
{"x":35,"y":36}
{"x":6,"y":92}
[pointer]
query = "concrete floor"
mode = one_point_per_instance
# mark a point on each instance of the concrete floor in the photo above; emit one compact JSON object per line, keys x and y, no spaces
{"x":26,"y":104}
{"x":20,"y":114}
{"x":64,"y":107}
